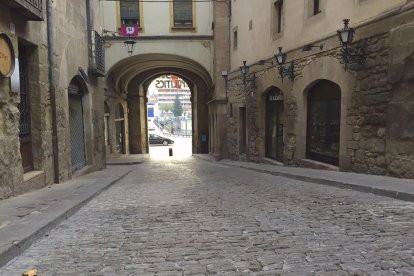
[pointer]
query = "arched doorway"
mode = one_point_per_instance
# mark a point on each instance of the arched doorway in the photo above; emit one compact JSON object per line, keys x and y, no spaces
{"x":120,"y":128}
{"x":323,"y":124}
{"x":274,"y":124}
{"x":76,"y":125}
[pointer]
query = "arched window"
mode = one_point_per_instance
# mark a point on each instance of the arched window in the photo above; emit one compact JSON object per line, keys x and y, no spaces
{"x":324,"y":120}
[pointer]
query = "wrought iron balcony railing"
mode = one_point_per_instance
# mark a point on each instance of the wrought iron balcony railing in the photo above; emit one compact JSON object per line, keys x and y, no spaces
{"x":37,"y":4}
{"x":97,"y":52}
{"x":30,"y":9}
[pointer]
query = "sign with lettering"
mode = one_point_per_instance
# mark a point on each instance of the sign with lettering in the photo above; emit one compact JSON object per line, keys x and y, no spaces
{"x":276,"y":96}
{"x":129,"y":30}
{"x":170,"y":82}
{"x":6,"y":56}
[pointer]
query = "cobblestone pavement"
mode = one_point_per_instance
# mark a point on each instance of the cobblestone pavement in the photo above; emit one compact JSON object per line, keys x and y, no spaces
{"x":193,"y":217}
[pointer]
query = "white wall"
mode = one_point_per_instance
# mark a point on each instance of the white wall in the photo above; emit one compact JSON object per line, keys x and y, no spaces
{"x":161,"y":39}
{"x":299,"y":28}
{"x":156,"y":18}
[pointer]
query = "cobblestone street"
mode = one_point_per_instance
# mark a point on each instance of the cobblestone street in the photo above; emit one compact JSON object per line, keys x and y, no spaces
{"x":192,"y":217}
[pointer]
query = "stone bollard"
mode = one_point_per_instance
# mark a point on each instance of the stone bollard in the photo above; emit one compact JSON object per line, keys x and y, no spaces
{"x":170,"y":151}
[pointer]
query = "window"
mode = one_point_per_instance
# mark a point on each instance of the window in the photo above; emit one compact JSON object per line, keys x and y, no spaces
{"x":316,"y":9}
{"x":183,"y":13}
{"x":130,"y":12}
{"x":235,"y":38}
{"x":279,"y":7}
{"x":277,"y":23}
{"x":324,"y":122}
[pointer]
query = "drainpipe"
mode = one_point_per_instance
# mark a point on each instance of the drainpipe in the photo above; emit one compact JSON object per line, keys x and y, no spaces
{"x":89,"y":27}
{"x":52,"y":87}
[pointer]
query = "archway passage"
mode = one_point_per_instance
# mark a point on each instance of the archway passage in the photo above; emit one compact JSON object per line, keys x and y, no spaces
{"x":324,"y":117}
{"x":169,"y":114}
{"x":274,"y":124}
{"x":128,"y":82}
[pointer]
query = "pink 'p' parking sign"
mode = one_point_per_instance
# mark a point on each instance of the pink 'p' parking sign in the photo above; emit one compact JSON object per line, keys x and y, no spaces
{"x":129,"y":30}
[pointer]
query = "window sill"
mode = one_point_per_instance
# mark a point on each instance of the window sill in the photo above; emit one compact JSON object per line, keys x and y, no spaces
{"x":31,"y":175}
{"x":183,"y":28}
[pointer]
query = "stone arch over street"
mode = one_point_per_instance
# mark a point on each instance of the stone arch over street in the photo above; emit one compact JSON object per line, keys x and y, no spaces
{"x":323,"y":69}
{"x":129,"y":80}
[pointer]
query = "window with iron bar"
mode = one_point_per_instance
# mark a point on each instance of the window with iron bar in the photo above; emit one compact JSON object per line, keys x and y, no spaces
{"x":130,"y":14}
{"x":183,"y":13}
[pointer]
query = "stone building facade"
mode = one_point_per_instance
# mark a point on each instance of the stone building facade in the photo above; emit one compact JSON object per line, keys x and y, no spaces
{"x":38,"y":106}
{"x":355,"y":119}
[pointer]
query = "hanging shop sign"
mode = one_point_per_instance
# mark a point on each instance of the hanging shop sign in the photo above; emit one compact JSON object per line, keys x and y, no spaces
{"x":129,"y":30}
{"x":6,"y":56}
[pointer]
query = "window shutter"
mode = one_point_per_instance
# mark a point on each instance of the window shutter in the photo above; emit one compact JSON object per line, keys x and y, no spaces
{"x":130,"y":10}
{"x":183,"y":12}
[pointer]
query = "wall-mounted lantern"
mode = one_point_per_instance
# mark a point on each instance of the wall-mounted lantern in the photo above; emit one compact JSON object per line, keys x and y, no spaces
{"x":281,"y":61}
{"x":245,"y":72}
{"x":129,"y":44}
{"x":350,"y":55}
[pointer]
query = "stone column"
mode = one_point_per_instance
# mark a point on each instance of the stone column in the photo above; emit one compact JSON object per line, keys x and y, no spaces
{"x":135,"y":134}
{"x":143,"y":120}
{"x":218,"y":106}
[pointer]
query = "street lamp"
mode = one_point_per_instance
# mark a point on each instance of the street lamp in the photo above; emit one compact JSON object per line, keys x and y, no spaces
{"x":245,"y":72}
{"x":350,"y":55}
{"x":129,"y":43}
{"x":281,"y":61}
{"x":346,"y":35}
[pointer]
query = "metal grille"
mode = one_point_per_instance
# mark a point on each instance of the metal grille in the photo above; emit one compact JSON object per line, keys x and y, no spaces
{"x":24,"y":108}
{"x":37,"y":4}
{"x":76,"y":131}
{"x":24,"y":100}
{"x":98,"y":53}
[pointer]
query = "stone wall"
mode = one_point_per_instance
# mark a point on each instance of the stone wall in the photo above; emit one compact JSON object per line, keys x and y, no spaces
{"x":71,"y":53}
{"x":12,"y":179}
{"x":378,"y":129}
{"x":71,"y":50}
{"x":11,"y":171}
{"x":368,"y":110}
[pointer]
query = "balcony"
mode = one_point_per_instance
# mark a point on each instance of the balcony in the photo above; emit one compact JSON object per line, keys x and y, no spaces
{"x":31,"y":10}
{"x":97,"y":55}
